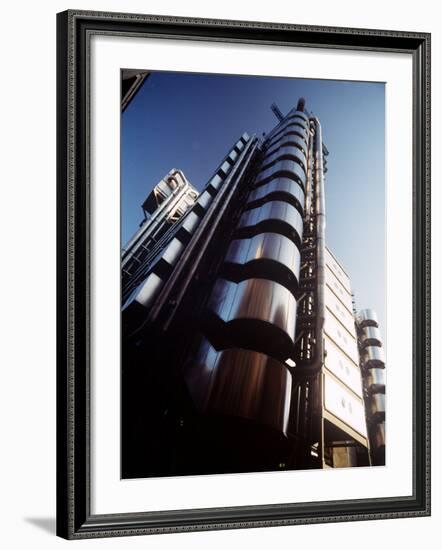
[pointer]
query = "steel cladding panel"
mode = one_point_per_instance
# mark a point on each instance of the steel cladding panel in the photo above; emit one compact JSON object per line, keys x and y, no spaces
{"x":368,"y":317}
{"x":145,"y":293}
{"x":278,"y":211}
{"x":287,"y":151}
{"x":287,"y":168}
{"x":343,"y":404}
{"x":375,"y":377}
{"x":338,"y":289}
{"x":266,"y":246}
{"x":340,"y":336}
{"x":290,"y":139}
{"x":255,"y":299}
{"x":173,"y":251}
{"x":191,"y":222}
{"x":240,"y":382}
{"x":278,"y":185}
{"x":371,"y":336}
{"x":339,"y":311}
{"x":337,"y":270}
{"x":342,"y":367}
{"x":204,"y":199}
{"x":377,"y":404}
{"x":293,"y":123}
{"x":373,"y":357}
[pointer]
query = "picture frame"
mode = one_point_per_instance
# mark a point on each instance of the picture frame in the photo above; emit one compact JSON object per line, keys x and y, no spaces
{"x":75,"y":519}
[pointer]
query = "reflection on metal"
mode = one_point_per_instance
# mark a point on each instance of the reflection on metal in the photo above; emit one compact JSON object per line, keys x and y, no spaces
{"x":370,"y":336}
{"x":295,"y":125}
{"x":190,"y":223}
{"x":289,"y":152}
{"x":373,"y":357}
{"x":367,"y":318}
{"x":135,"y":308}
{"x":273,"y":216}
{"x":215,"y":183}
{"x":241,"y":383}
{"x":233,"y":155}
{"x":290,"y":139}
{"x":377,"y":405}
{"x":225,"y":167}
{"x":375,"y":378}
{"x":239,"y":145}
{"x":279,"y":189}
{"x":170,"y":199}
{"x":204,"y":200}
{"x":286,"y":168}
{"x":257,"y":252}
{"x":298,"y":114}
{"x":172,"y":251}
{"x":256,"y":313}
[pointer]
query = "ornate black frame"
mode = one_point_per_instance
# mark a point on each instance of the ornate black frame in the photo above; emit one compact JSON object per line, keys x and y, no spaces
{"x":74,"y":519}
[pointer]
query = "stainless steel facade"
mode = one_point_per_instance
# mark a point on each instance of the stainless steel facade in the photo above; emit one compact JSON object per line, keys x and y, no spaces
{"x":373,"y":368}
{"x":239,"y":303}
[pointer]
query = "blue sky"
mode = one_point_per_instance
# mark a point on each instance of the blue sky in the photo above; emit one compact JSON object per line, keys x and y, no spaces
{"x":189,"y":121}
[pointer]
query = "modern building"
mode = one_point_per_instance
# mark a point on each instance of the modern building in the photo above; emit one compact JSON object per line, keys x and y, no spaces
{"x":242,"y":350}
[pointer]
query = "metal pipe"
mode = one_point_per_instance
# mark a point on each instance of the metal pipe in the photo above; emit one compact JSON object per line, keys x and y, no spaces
{"x":312,"y":369}
{"x":176,"y":195}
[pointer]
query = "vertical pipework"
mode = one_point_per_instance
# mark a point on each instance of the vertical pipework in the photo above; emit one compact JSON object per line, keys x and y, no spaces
{"x":320,"y":236}
{"x":312,"y":368}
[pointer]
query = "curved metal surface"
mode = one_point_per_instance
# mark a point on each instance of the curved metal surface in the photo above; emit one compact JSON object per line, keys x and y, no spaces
{"x":257,"y":252}
{"x":371,"y":336}
{"x":233,"y":155}
{"x":215,"y":182}
{"x":368,"y":318}
{"x":297,"y":124}
{"x":257,"y":314}
{"x":137,"y":304}
{"x":375,"y":378}
{"x":241,"y":383}
{"x":145,"y":292}
{"x":290,"y":133}
{"x":279,"y":189}
{"x":289,"y":152}
{"x":283,"y":168}
{"x":172,"y":251}
{"x":204,"y":200}
{"x":297,"y":113}
{"x":290,"y":139}
{"x":377,"y":405}
{"x":190,"y":222}
{"x":273,"y":216}
{"x":373,"y":357}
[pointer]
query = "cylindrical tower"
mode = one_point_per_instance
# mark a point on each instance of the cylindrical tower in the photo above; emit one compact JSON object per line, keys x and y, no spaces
{"x":373,"y":369}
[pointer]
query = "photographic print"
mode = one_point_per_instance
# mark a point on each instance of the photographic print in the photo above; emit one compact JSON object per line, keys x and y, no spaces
{"x":252,"y":274}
